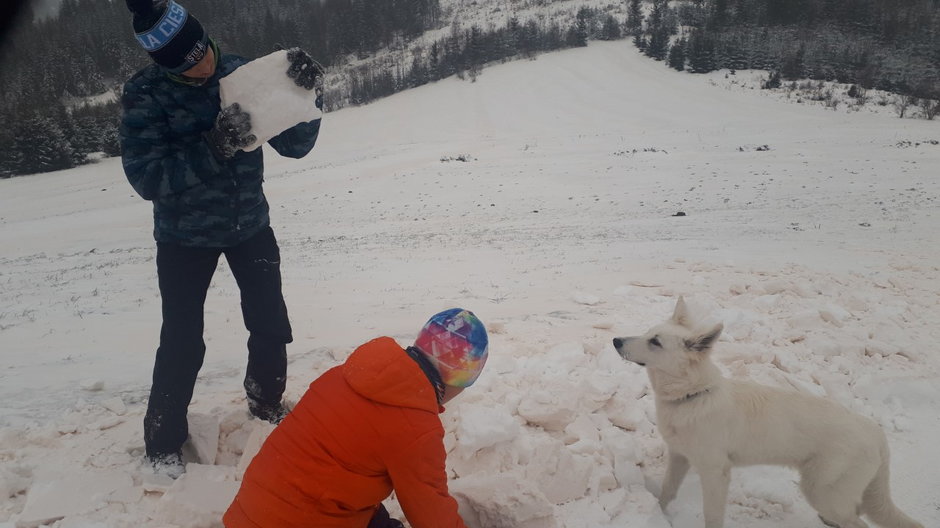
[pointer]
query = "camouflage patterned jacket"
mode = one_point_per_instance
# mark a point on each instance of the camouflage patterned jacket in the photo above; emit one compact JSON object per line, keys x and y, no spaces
{"x":198,"y":200}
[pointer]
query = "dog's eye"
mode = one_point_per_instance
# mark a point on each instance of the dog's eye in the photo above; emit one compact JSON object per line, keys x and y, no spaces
{"x":655,"y":342}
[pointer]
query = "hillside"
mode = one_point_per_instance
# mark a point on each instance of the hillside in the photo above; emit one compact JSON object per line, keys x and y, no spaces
{"x":543,"y":197}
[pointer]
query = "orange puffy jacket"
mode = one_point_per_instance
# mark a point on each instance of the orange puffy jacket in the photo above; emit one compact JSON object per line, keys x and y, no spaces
{"x":362,"y":429}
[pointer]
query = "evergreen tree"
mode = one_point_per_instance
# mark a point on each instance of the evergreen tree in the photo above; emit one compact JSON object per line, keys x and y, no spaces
{"x":578,"y":34}
{"x":659,"y":33}
{"x":11,"y":158}
{"x":611,"y":29}
{"x":419,"y":73}
{"x":634,"y":18}
{"x":43,"y":145}
{"x":677,"y":55}
{"x":701,"y":52}
{"x":792,"y":63}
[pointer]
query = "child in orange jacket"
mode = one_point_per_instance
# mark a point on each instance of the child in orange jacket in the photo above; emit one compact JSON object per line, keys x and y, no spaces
{"x":364,"y":429}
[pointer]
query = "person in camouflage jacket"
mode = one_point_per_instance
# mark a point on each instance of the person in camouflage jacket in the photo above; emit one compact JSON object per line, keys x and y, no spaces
{"x":181,"y":151}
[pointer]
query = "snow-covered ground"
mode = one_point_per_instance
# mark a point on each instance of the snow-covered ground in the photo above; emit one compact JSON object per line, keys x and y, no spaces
{"x":812,"y":234}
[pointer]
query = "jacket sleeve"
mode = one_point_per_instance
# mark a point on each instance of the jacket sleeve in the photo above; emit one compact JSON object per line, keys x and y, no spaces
{"x":158,"y":164}
{"x":419,"y":477}
{"x":298,"y":140}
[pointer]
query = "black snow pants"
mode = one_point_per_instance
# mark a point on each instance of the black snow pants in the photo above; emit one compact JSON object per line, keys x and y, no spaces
{"x":184,"y":274}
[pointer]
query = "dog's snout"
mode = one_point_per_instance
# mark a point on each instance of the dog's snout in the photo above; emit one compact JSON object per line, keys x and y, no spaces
{"x":618,"y":342}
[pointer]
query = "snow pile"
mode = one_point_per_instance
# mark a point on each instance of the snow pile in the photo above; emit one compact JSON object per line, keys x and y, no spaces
{"x":552,"y":435}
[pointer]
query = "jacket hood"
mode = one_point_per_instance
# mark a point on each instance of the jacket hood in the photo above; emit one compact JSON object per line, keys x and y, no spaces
{"x":381,"y":371}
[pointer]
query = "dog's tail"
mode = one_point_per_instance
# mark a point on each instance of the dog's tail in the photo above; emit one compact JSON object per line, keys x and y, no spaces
{"x":877,"y":503}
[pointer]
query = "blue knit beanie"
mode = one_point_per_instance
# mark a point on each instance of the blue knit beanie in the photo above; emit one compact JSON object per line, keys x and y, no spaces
{"x":169,"y":33}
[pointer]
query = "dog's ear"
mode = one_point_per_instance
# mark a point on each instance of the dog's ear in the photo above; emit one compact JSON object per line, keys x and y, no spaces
{"x":704,"y":342}
{"x":681,"y":315}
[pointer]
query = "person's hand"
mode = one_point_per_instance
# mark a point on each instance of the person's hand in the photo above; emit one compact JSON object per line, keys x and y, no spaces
{"x":232,"y":131}
{"x":305,"y":71}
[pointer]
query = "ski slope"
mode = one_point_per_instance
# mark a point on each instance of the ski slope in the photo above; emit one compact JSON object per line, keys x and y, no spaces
{"x":818,"y":252}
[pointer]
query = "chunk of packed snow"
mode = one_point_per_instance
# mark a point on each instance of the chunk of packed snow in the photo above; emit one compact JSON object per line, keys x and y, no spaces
{"x":272,"y":99}
{"x":115,"y":405}
{"x":203,"y":442}
{"x":502,"y":501}
{"x":482,"y":426}
{"x":56,"y":497}
{"x":199,"y":497}
{"x":259,"y":433}
{"x":585,"y":298}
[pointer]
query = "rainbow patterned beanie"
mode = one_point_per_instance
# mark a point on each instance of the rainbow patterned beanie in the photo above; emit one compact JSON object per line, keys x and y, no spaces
{"x":455,"y":342}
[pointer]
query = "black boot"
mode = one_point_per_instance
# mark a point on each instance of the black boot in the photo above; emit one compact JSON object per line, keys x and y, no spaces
{"x":169,"y":464}
{"x":272,"y":413}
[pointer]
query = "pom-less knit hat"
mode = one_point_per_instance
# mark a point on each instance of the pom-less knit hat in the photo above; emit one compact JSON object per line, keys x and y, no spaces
{"x":455,"y":341}
{"x":173,"y":37}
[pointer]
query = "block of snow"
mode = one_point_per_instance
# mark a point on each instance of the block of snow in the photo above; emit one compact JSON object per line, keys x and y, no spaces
{"x":200,"y":495}
{"x":263,"y":90}
{"x":583,"y":429}
{"x":542,"y":409}
{"x":255,"y":440}
{"x":561,"y":475}
{"x":53,"y":499}
{"x":483,"y":426}
{"x":777,"y":286}
{"x":806,"y":319}
{"x":92,"y":385}
{"x":115,"y":405}
{"x":622,"y":450}
{"x":203,"y":442}
{"x":502,"y":501}
{"x":156,"y":482}
{"x":835,"y":314}
{"x":107,"y":423}
{"x":585,"y":298}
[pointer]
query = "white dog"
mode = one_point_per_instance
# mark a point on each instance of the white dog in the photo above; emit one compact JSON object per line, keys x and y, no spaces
{"x":713,"y":423}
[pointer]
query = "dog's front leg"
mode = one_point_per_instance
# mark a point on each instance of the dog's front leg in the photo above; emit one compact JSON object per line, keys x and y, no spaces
{"x":676,"y":468}
{"x":715,"y":481}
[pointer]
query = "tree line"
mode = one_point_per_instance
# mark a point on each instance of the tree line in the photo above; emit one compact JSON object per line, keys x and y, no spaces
{"x":464,"y":52}
{"x":891,"y":45}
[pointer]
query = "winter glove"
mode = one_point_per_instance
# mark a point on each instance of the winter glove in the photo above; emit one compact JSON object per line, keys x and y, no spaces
{"x":304,"y":70}
{"x":232,"y":131}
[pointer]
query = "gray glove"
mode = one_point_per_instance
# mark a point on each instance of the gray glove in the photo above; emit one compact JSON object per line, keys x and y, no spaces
{"x":232,"y":131}
{"x":305,"y":71}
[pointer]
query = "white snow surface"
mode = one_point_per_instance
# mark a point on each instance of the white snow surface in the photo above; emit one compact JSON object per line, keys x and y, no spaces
{"x":272,"y":99}
{"x":820,"y":255}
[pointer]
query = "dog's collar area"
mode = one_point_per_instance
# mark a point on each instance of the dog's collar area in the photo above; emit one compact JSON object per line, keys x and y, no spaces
{"x":692,"y":396}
